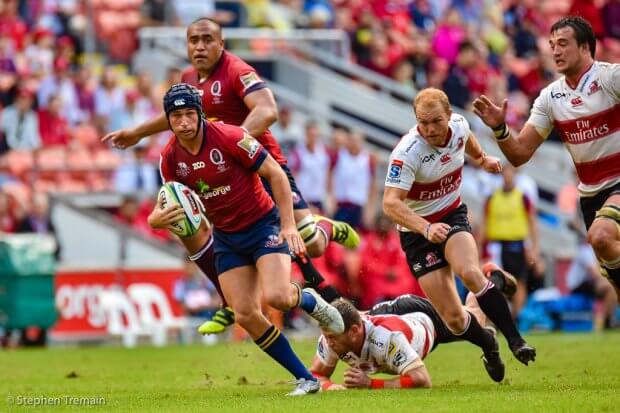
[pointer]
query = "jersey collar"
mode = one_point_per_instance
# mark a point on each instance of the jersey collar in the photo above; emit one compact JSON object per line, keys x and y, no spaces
{"x":580,"y":78}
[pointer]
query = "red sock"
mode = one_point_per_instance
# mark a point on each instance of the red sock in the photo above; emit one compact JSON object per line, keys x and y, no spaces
{"x":205,"y":260}
{"x":327,"y":227}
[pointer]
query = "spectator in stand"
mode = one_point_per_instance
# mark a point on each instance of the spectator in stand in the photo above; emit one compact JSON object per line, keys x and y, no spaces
{"x":449,"y":35}
{"x":136,"y":175}
{"x":383,"y":273}
{"x":40,"y":54}
{"x":310,"y":163}
{"x":38,"y":220}
{"x":456,"y":84}
{"x":60,"y":83}
{"x":173,"y":76}
{"x":85,"y":86}
{"x":353,"y":182}
{"x":12,"y":25}
{"x":132,"y":113}
{"x":53,"y":127}
{"x":422,"y":16}
{"x":584,"y":277}
{"x":7,"y":219}
{"x":287,"y":130}
{"x":20,"y":124}
{"x":611,"y":18}
{"x":383,"y":56}
{"x":109,"y":97}
{"x":8,"y":72}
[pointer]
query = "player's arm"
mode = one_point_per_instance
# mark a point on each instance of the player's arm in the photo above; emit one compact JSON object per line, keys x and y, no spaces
{"x":518,"y":150}
{"x":395,"y":208}
{"x":282,"y":195}
{"x":323,"y":373}
{"x":263,"y":111}
{"x":124,"y":138}
{"x":479,"y":156}
{"x":413,"y":378}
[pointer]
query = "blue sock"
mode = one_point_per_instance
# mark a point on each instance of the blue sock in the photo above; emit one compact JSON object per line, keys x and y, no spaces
{"x":308,"y":302}
{"x":277,"y":346}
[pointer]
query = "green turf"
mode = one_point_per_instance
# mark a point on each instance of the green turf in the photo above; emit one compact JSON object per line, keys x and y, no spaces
{"x":573,"y":373}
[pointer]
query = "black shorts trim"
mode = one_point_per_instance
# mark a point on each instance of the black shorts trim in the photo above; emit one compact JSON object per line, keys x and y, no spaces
{"x":422,"y":255}
{"x":589,"y":205}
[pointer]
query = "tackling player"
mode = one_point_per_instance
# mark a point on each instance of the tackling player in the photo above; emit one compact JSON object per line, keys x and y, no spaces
{"x":393,"y":337}
{"x":251,"y":236}
{"x":232,"y":92}
{"x":422,"y":195}
{"x":584,"y":108}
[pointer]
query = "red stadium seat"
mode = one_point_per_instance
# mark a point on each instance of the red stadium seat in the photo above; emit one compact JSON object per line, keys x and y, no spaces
{"x":107,"y":160}
{"x":86,"y":136}
{"x":20,"y":192}
{"x":18,"y":162}
{"x":52,"y":159}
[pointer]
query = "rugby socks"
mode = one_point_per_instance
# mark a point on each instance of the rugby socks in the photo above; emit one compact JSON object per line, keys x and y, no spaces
{"x":326,"y":227}
{"x":205,"y":260}
{"x":315,"y":280}
{"x":278,"y":348}
{"x":474,"y":333}
{"x":307,"y":302}
{"x":494,"y":305}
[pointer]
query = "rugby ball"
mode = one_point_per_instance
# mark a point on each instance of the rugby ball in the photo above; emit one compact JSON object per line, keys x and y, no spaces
{"x":175,"y":193}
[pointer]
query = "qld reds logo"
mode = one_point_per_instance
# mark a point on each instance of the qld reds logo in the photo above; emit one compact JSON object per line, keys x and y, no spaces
{"x":216,"y":157}
{"x":216,"y":88}
{"x":182,"y":169}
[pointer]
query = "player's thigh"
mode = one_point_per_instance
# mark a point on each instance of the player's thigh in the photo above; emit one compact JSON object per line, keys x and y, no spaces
{"x":462,"y":254}
{"x":193,"y":244}
{"x":242,"y":290}
{"x":274,"y":275}
{"x":300,"y":214}
{"x":440,"y":288}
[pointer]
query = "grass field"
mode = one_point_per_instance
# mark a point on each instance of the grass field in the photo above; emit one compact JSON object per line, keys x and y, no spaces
{"x":573,"y":373}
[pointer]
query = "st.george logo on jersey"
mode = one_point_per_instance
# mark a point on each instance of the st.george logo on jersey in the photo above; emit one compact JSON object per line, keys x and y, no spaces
{"x":175,"y":193}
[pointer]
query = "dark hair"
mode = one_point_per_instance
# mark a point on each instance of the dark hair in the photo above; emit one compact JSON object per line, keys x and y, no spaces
{"x":349,"y":313}
{"x":207,"y":19}
{"x":581,"y":27}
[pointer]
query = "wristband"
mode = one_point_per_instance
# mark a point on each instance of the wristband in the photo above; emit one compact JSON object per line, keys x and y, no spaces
{"x":325,"y":383}
{"x":501,"y":132}
{"x":428,"y":228}
{"x":406,"y":382}
{"x":377,"y":384}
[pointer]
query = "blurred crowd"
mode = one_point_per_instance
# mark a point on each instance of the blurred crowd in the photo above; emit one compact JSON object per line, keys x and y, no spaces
{"x":56,"y":101}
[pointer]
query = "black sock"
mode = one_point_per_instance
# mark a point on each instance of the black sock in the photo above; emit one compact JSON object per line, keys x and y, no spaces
{"x":474,"y":333}
{"x":614,"y":275}
{"x":315,"y":280}
{"x":494,"y":305}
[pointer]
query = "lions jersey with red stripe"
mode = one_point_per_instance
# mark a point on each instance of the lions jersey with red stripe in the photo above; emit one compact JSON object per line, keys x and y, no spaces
{"x":393,"y":344}
{"x":223,"y":93}
{"x":431,"y":174}
{"x":223,"y":174}
{"x":587,"y":119}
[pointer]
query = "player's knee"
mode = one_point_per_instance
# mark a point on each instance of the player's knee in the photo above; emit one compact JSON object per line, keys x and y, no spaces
{"x":601,"y":237}
{"x":455,"y":320}
{"x":279,"y":299}
{"x":246,"y":316}
{"x":470,"y":274}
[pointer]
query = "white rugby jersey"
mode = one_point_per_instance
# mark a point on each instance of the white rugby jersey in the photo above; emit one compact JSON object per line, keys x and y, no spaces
{"x":431,"y":174}
{"x":587,"y":119}
{"x":392,"y":344}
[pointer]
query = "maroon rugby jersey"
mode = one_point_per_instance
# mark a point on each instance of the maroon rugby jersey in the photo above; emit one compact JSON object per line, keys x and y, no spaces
{"x":223,"y":92}
{"x":223,"y":174}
